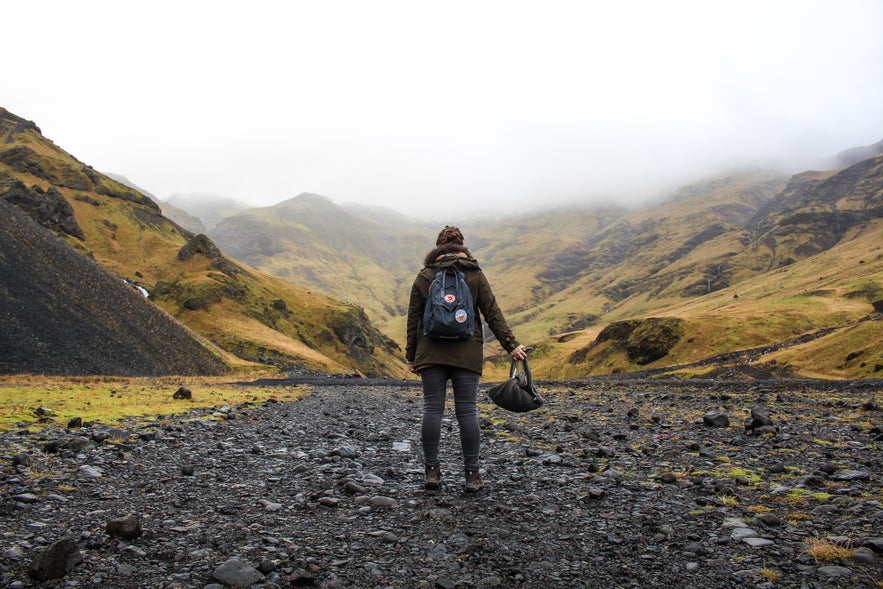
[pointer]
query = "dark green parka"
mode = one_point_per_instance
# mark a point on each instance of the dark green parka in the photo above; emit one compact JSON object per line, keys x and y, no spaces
{"x":422,"y":351}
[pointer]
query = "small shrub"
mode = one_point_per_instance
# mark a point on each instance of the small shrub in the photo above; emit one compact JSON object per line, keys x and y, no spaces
{"x":728,"y":500}
{"x":794,"y":497}
{"x":752,"y":478}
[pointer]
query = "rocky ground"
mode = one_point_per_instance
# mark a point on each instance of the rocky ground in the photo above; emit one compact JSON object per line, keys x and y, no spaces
{"x":613,"y":484}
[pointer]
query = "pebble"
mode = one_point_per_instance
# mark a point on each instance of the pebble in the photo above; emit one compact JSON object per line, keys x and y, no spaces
{"x":756,"y":542}
{"x":835,"y":571}
{"x":236,"y":573}
{"x":770,"y":519}
{"x":864,"y":555}
{"x":90,"y":472}
{"x":381,"y":501}
{"x":740,"y":533}
{"x":270,"y":505}
{"x":125,"y":527}
{"x":372,"y":479}
{"x":716,"y":419}
{"x":328,"y":492}
{"x":850,"y":475}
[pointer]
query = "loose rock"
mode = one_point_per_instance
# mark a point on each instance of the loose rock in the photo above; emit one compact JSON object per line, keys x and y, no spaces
{"x":328,"y":491}
{"x":56,"y":560}
{"x":126,"y":527}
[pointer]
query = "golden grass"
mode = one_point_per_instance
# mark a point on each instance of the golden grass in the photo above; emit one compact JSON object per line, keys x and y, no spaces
{"x":762,"y":307}
{"x":137,"y":243}
{"x":109,"y":399}
{"x":771,"y":307}
{"x":825,"y":550}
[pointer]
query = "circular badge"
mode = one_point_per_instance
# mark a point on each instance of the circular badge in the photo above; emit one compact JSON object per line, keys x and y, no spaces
{"x":460,"y":316}
{"x":449,"y":298}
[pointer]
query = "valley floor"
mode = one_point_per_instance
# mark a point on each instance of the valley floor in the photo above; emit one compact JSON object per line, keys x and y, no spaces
{"x":615,"y":483}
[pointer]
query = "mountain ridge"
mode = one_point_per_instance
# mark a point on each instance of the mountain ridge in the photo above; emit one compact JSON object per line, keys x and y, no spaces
{"x":253,"y":317}
{"x":744,"y":261}
{"x":308,"y":239}
{"x":562,"y":275}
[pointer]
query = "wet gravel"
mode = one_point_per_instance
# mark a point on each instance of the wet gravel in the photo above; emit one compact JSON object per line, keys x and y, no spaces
{"x":615,"y":483}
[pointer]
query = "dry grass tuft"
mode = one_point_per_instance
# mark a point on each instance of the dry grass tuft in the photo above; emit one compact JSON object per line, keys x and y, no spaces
{"x":825,"y":550}
{"x":728,"y":500}
{"x":797,"y":516}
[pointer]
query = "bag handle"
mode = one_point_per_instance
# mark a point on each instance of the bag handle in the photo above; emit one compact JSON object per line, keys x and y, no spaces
{"x":513,"y":370}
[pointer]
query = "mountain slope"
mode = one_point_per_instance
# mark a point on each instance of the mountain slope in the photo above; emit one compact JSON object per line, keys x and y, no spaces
{"x":728,"y":264}
{"x":64,"y":314}
{"x":811,"y":268}
{"x":745,"y":274}
{"x":254,"y":316}
{"x":349,"y":256}
{"x":586,"y":268}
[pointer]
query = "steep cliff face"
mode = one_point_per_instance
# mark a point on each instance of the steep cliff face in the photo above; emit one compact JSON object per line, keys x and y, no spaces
{"x":816,"y":210}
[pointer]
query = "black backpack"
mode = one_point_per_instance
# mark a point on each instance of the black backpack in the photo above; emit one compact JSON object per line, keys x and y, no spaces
{"x":450,"y":312}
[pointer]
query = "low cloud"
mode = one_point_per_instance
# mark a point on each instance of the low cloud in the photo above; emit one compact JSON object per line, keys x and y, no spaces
{"x":496,"y":106}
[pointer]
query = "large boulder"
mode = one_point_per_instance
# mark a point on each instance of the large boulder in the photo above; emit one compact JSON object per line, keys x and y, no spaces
{"x":49,"y":208}
{"x":199,"y":244}
{"x":653,"y":339}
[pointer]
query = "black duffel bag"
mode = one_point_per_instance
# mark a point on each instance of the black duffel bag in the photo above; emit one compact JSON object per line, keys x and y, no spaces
{"x":517,"y":394}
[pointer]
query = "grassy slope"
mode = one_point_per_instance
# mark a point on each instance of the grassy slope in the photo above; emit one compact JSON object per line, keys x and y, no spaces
{"x":133,"y":240}
{"x":625,"y":264}
{"x":310,"y":240}
{"x":561,"y":276}
{"x":832,"y":289}
{"x":756,"y":304}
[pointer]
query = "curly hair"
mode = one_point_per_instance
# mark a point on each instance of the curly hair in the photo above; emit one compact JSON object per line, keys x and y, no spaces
{"x":449,"y":241}
{"x":449,"y":235}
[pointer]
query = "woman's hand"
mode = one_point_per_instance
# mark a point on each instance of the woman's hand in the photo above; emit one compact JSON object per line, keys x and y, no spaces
{"x":519,"y":353}
{"x":411,"y":368}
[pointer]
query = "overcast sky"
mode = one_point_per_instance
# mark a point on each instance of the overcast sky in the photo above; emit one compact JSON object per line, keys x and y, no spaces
{"x":443,"y":106}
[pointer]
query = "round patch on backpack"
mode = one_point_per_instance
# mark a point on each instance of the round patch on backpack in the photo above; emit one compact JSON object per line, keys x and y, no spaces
{"x":460,"y":316}
{"x":449,"y":298}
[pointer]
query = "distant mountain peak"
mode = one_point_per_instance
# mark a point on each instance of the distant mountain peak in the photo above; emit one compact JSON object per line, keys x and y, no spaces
{"x":310,"y":198}
{"x":848,"y":157}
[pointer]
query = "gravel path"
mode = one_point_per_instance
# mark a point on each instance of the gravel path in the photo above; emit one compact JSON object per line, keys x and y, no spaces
{"x":615,"y":483}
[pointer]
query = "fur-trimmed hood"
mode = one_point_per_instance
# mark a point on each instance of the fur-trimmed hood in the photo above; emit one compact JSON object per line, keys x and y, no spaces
{"x":443,"y":250}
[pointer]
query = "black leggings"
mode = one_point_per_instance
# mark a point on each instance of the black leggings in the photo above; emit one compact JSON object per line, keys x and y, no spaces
{"x":435,"y":383}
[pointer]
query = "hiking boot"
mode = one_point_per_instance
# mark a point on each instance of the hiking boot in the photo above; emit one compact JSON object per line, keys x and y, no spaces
{"x":474,"y":484}
{"x":433,"y":478}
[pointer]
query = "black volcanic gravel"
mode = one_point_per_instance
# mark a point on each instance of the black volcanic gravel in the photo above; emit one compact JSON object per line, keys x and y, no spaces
{"x":614,"y":483}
